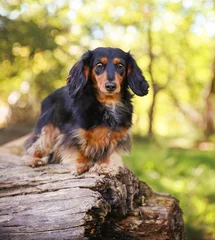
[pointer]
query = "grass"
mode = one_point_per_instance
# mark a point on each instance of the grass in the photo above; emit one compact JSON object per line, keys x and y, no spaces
{"x":189,"y":175}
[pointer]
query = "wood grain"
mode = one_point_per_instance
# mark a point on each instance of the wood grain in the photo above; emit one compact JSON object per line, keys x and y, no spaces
{"x":49,"y":203}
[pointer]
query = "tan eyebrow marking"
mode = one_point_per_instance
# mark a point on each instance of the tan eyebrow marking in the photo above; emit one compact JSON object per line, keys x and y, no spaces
{"x":104,"y":60}
{"x":116,"y":60}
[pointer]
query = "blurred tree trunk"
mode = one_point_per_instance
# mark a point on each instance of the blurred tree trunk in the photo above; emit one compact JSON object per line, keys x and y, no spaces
{"x":156,"y":89}
{"x":210,"y":106}
{"x":154,"y":93}
{"x":155,"y":86}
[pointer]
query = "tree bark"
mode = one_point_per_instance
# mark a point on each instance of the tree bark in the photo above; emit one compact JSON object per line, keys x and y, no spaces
{"x":155,"y":87}
{"x":49,"y":203}
{"x":210,"y":106}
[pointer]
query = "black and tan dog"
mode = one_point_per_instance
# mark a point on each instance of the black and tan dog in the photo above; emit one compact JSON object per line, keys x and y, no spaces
{"x":87,"y":122}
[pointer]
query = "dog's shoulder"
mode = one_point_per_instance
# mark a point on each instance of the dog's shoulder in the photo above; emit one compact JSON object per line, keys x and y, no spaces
{"x":58,"y":98}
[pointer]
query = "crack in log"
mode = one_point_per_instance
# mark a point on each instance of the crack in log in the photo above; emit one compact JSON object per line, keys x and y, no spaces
{"x":43,"y":231}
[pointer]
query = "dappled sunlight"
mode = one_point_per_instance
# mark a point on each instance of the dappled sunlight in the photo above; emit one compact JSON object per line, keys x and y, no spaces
{"x":25,"y":87}
{"x":4,"y":114}
{"x":14,"y":97}
{"x":19,"y":50}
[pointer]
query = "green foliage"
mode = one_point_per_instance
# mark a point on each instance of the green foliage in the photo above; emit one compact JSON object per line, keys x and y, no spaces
{"x":186,"y":174}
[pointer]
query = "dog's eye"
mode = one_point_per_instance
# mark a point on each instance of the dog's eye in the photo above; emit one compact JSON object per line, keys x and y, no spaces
{"x":120,"y":65}
{"x":99,"y":66}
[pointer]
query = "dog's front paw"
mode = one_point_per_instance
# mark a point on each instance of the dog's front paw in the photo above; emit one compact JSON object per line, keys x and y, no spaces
{"x":110,"y":165}
{"x":100,"y":168}
{"x":104,"y":168}
{"x":79,"y":168}
{"x":34,"y":161}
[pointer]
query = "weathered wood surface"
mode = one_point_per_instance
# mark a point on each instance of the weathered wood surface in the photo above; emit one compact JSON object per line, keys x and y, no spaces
{"x":49,"y":203}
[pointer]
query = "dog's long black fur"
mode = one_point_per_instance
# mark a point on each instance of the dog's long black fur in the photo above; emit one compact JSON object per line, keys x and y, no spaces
{"x":77,"y":106}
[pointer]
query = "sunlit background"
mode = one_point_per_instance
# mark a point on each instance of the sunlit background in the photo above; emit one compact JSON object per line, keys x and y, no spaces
{"x":173,"y":43}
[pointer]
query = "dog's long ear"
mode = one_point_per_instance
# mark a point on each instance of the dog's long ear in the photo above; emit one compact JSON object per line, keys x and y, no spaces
{"x":79,"y":74}
{"x":136,"y":80}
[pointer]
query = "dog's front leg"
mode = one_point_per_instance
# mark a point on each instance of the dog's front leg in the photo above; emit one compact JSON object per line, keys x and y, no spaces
{"x":77,"y":162}
{"x":38,"y":148}
{"x":69,"y":153}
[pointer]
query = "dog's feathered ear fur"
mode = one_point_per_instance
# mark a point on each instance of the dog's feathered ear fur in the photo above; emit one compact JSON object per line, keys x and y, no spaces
{"x":79,"y":74}
{"x":136,"y":80}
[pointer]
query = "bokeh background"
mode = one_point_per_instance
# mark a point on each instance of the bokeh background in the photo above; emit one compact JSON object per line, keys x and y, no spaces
{"x":174,"y":44}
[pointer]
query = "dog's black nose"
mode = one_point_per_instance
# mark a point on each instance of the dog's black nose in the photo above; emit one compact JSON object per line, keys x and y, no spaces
{"x":110,"y":86}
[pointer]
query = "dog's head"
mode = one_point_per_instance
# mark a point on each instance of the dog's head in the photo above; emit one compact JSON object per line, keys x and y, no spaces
{"x":109,"y":69}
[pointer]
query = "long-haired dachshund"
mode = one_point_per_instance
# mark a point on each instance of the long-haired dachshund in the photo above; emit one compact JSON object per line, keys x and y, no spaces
{"x":86,"y":123}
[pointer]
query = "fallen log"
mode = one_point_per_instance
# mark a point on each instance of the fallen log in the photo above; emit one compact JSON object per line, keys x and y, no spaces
{"x":49,"y":203}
